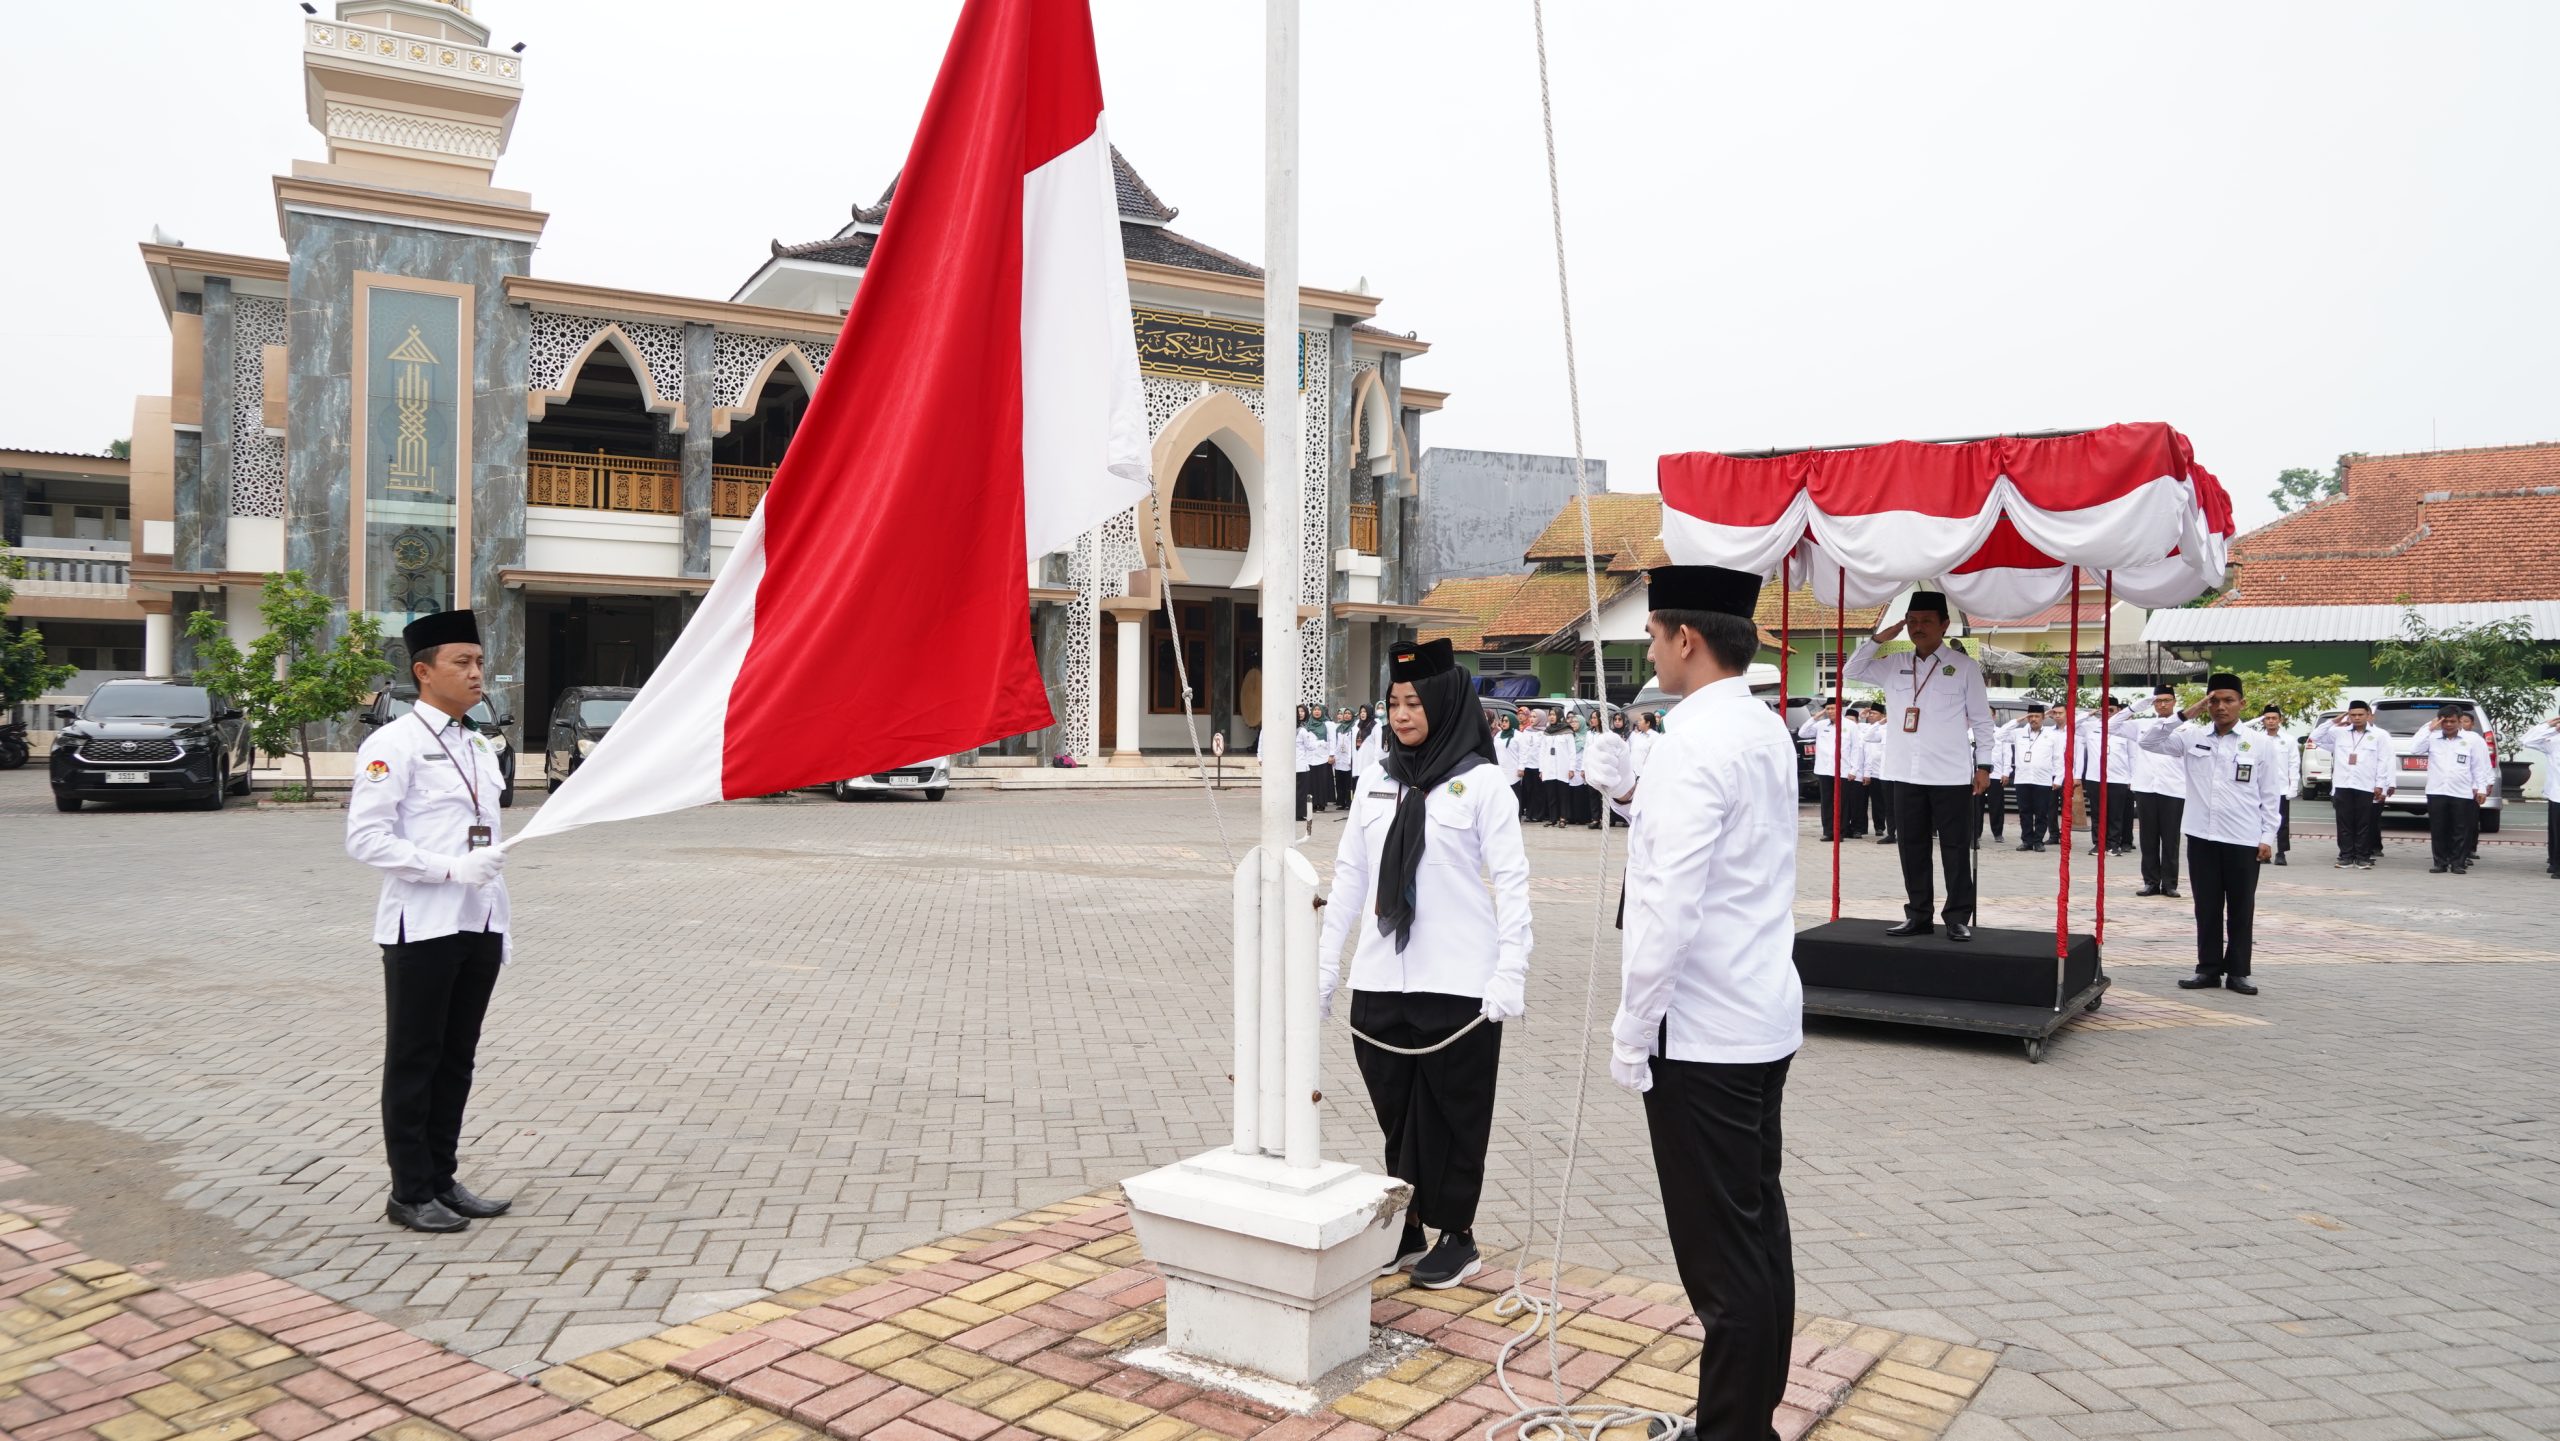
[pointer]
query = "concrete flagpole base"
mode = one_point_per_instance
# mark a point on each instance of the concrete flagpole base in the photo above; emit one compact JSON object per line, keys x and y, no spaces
{"x":1266,"y":1265}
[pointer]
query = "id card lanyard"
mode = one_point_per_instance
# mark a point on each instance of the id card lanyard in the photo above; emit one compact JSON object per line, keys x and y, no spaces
{"x":1919,"y":687}
{"x":479,"y":835}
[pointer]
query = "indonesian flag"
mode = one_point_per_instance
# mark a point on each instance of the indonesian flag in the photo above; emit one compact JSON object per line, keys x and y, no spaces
{"x":982,"y":408}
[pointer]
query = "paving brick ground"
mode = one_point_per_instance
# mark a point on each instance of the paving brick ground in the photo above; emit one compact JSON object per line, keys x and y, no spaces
{"x":749,"y":1049}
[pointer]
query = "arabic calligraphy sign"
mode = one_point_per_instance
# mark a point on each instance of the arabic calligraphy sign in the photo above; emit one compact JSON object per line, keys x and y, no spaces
{"x":1203,"y":347}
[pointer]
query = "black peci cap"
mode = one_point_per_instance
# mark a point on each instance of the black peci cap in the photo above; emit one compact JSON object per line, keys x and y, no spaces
{"x":1927,"y":600}
{"x":2223,"y":680}
{"x":445,"y":627}
{"x":2167,"y":690}
{"x":2035,"y":707}
{"x":1421,"y":662}
{"x":1710,"y":588}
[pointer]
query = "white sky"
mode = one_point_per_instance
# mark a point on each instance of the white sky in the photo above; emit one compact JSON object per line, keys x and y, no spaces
{"x":2292,"y":229}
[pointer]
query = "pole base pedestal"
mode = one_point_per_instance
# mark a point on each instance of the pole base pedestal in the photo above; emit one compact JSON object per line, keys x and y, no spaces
{"x":1266,"y":1265}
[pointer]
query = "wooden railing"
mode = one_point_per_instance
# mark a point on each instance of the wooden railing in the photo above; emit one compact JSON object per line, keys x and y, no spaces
{"x":1364,"y":529}
{"x":1211,"y":525}
{"x":636,"y":483}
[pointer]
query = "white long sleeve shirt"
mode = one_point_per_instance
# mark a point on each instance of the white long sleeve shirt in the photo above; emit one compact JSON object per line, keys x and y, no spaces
{"x":1533,"y":751}
{"x":2234,"y":781}
{"x":409,"y":816}
{"x":1640,"y":751}
{"x":1952,"y":733}
{"x":2457,"y":765}
{"x":2362,"y":760}
{"x":2291,"y":750}
{"x":1369,"y":752}
{"x":1709,"y":949}
{"x":1313,"y":749}
{"x":2153,"y":773}
{"x":1871,"y":764}
{"x":2119,"y":756}
{"x":1463,"y":935}
{"x":1819,"y":730}
{"x":2035,"y":756}
{"x":2545,"y":739}
{"x":1346,"y":745}
{"x":1563,"y":758}
{"x":1506,"y":754}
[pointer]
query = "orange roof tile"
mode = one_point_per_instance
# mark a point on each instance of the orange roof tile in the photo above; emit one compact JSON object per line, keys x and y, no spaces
{"x":1482,"y":597}
{"x":1624,"y":525}
{"x":1807,"y":612}
{"x":1552,"y":600}
{"x":2435,"y":527}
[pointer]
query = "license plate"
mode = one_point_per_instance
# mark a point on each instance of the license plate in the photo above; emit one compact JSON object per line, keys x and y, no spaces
{"x":2413,"y":763}
{"x":902,"y":780}
{"x":128,"y":778}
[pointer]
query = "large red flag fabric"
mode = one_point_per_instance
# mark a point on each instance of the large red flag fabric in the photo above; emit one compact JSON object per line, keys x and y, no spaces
{"x":982,"y":408}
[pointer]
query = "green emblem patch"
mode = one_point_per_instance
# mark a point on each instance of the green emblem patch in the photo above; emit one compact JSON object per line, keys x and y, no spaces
{"x":1950,"y":670}
{"x":2244,"y":745}
{"x":1457,"y":788}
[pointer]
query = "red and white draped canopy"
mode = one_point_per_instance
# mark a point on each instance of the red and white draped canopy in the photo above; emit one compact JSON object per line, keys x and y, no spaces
{"x":1998,"y":524}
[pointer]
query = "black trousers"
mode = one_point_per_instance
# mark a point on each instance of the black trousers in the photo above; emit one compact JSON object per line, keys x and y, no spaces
{"x":1342,"y":783}
{"x":1880,"y":804}
{"x":2224,"y":878}
{"x":1716,"y":1151}
{"x":435,"y":993}
{"x":2453,"y":824}
{"x":2551,"y":834}
{"x":2161,"y":817}
{"x":1853,"y":807}
{"x":2359,"y":824}
{"x":1559,"y":799}
{"x":2035,"y":814}
{"x":1532,"y":790}
{"x":2119,"y":812}
{"x":1305,"y":794}
{"x":1436,"y":1110}
{"x":1921,"y":814}
{"x":1825,"y":790}
{"x":2284,"y":826}
{"x":1992,"y":806}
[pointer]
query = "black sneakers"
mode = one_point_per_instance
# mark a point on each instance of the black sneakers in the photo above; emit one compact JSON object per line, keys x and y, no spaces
{"x":1409,"y":1249}
{"x":1449,"y":1263}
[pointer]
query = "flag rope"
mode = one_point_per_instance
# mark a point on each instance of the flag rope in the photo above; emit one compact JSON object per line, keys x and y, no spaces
{"x":1182,"y":677}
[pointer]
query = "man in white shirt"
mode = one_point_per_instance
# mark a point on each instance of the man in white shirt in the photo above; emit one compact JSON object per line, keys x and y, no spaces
{"x":1992,"y":806}
{"x":2361,"y":760}
{"x":424,"y":812}
{"x":1823,"y":728}
{"x":2160,"y":805}
{"x":2545,"y":738}
{"x":1871,"y":781}
{"x":2233,"y":790}
{"x":1937,"y":757}
{"x":2272,"y":721}
{"x":1710,"y":1011}
{"x":2115,"y":784}
{"x":2035,"y":767}
{"x":2460,"y":774}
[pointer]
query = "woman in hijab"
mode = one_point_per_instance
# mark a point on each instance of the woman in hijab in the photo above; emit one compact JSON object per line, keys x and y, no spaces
{"x":1369,"y":745}
{"x":1438,"y":960}
{"x":1314,"y":740}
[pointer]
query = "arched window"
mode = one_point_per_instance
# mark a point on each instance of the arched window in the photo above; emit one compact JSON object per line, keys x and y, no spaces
{"x":1209,"y":510}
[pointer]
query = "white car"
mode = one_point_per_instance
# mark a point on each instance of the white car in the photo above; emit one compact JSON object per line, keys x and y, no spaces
{"x":932,"y":778}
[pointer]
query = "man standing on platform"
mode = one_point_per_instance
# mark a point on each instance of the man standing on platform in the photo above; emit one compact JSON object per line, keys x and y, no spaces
{"x":2035,"y":767}
{"x":1710,"y":1012}
{"x":2231,"y":817}
{"x":2359,"y":780}
{"x":2459,"y":775}
{"x":2160,"y":805}
{"x":1821,"y":729}
{"x":1937,"y":756}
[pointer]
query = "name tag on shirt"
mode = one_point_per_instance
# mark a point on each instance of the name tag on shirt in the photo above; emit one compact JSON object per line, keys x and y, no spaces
{"x":432,"y":759}
{"x":1910,"y":718}
{"x":2240,"y":773}
{"x":478,"y":836}
{"x":1383,"y":795}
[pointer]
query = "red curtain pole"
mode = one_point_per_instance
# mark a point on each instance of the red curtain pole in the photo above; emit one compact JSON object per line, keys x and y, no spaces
{"x":2070,"y":743}
{"x":2106,"y":755}
{"x":1839,"y":688}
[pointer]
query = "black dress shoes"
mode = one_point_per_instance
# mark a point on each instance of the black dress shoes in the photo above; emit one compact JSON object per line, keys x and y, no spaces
{"x":479,"y":1208}
{"x":1910,"y":928}
{"x":2148,"y":891}
{"x":431,"y":1216}
{"x":2028,"y":847}
{"x":2280,"y":860}
{"x":1959,"y":931}
{"x":1658,"y":1429}
{"x":2200,"y":981}
{"x":2242,"y":984}
{"x":2172,"y":895}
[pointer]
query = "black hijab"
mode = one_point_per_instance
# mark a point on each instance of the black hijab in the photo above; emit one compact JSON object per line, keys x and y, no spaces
{"x":1368,"y":723}
{"x":1459,"y":739}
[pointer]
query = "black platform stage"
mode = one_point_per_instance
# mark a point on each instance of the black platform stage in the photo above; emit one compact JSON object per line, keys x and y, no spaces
{"x":2001,"y":982}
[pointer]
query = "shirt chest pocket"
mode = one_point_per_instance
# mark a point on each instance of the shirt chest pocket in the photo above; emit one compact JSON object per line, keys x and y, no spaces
{"x":438,"y":777}
{"x":1452,"y":839}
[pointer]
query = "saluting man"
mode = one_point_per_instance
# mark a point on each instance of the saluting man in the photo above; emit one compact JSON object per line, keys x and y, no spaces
{"x":1442,"y":960}
{"x":2359,"y":780}
{"x":1710,"y":1012}
{"x":2035,"y":763}
{"x":1820,"y":729}
{"x":424,"y":812}
{"x":2160,"y":805}
{"x":2459,"y":775}
{"x":2234,"y":786}
{"x":2545,"y":738}
{"x":1937,"y":755}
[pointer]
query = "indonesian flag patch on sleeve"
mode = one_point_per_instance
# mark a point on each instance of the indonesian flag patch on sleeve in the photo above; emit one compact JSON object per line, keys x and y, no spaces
{"x":376,"y":770}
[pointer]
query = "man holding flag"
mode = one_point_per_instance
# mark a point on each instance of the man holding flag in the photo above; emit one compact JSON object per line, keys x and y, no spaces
{"x":998,"y":288}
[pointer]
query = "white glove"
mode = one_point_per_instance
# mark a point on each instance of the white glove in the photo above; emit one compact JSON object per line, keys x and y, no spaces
{"x":1606,"y":765}
{"x":1324,"y":1000}
{"x":1507,"y":999}
{"x":1631,"y":1067}
{"x":475,"y":868}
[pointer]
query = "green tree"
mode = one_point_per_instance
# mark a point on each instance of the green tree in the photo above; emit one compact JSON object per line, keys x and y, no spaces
{"x":2495,"y":662}
{"x":292,"y":677}
{"x":2300,"y":696}
{"x":2303,"y":486}
{"x":2046,"y":681}
{"x":120,"y":449}
{"x":24,"y":672}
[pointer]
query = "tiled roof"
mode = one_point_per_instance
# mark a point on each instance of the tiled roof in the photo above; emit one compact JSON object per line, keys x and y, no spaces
{"x":1155,"y":245}
{"x":1482,"y":597}
{"x":1552,"y":600}
{"x":1626,"y":530}
{"x":851,"y":250}
{"x":1807,"y":613}
{"x":2435,"y":527}
{"x":1137,"y":199}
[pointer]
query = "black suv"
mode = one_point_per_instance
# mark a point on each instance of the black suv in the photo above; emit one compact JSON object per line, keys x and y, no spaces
{"x":389,"y":706}
{"x":136,"y":740}
{"x":578,"y":720}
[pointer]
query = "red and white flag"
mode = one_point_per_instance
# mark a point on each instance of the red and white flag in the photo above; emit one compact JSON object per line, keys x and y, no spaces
{"x":982,"y":408}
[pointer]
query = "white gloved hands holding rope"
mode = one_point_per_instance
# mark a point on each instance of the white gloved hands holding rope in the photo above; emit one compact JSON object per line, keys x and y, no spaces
{"x":1507,"y":998}
{"x":1608,"y":765}
{"x":474,"y":868}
